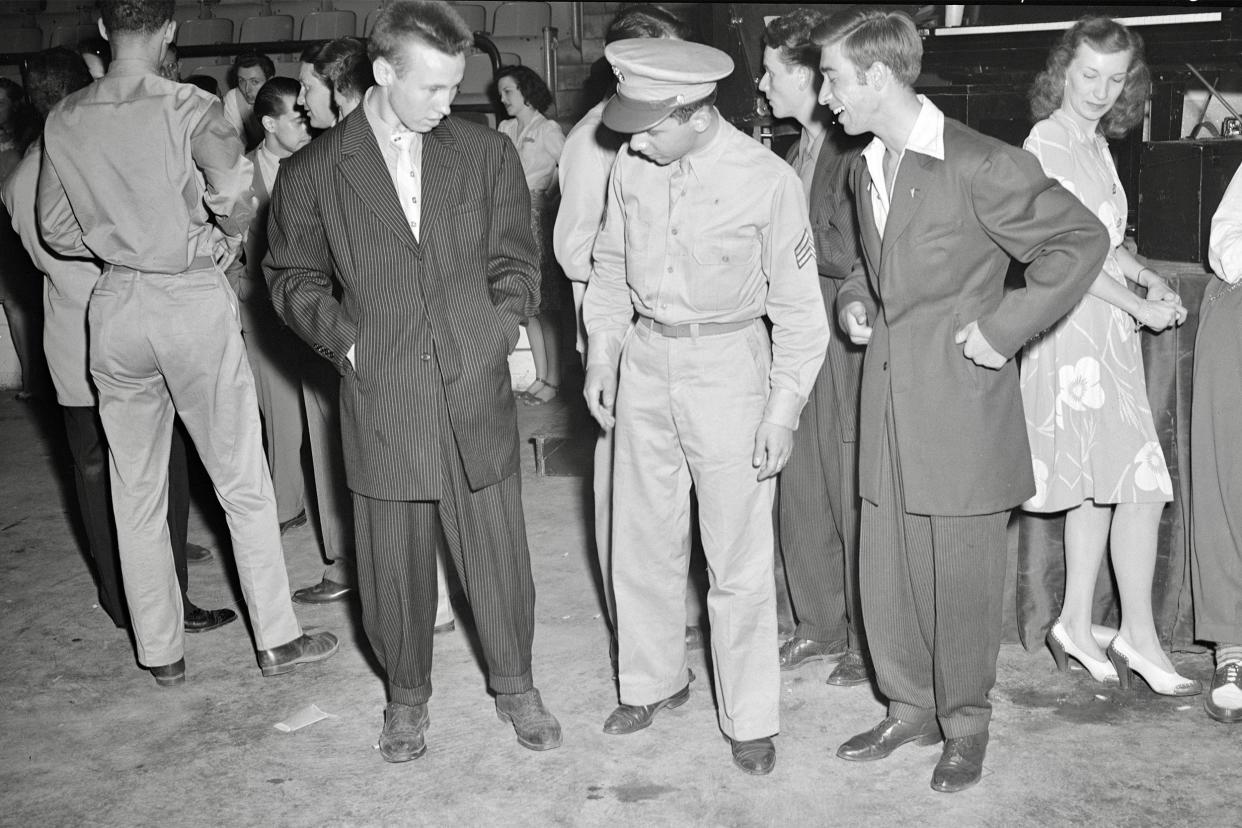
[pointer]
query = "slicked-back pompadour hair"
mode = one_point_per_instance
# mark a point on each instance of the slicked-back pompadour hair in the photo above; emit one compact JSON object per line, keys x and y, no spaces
{"x":432,"y":22}
{"x":869,"y":35}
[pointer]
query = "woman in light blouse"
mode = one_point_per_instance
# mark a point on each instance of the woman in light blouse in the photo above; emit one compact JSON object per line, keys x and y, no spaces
{"x":539,"y":142}
{"x":1094,"y":448}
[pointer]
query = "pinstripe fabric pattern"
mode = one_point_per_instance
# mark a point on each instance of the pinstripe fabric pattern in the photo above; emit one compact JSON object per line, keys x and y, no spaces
{"x":485,"y":533}
{"x":335,"y":224}
{"x":819,"y":493}
{"x":932,"y":592}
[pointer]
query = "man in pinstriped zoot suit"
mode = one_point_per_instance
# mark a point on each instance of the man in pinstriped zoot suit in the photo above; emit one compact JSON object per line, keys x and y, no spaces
{"x":423,"y":221}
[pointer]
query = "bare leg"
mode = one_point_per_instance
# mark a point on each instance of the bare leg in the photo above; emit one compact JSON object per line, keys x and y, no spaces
{"x":20,"y":332}
{"x":1086,"y":539}
{"x":1135,"y":530}
{"x":541,"y":331}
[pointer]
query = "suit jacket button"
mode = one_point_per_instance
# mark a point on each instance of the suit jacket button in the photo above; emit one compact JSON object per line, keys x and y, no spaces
{"x":425,"y":357}
{"x":886,"y":366}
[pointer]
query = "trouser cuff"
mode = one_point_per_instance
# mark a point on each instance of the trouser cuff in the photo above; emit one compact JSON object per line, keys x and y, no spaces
{"x":956,"y":727}
{"x":911,"y":714}
{"x":409,"y":695}
{"x":511,"y":684}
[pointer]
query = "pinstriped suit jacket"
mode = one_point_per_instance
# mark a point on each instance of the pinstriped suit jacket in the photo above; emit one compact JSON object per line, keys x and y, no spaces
{"x":453,"y":300}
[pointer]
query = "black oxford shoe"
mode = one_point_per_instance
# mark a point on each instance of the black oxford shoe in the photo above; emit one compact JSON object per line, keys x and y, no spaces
{"x":324,"y":592}
{"x":798,"y":651}
{"x":887,"y":736}
{"x":755,"y":756}
{"x":404,"y":735}
{"x":629,"y":718}
{"x":301,"y":650}
{"x":199,"y":620}
{"x":961,"y":763}
{"x":850,"y":671}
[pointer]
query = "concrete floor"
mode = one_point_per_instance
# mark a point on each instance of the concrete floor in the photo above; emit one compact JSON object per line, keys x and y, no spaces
{"x":87,"y":738}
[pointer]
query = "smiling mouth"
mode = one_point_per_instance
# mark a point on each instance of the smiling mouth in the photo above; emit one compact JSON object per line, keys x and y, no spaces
{"x":836,"y":112}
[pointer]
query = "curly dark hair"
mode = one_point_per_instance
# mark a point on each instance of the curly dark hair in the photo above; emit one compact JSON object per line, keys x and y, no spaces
{"x":790,"y":36}
{"x":140,"y":16}
{"x":532,"y":87}
{"x":1107,"y":36}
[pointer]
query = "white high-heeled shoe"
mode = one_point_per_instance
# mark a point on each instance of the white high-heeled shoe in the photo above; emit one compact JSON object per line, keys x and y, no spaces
{"x":1127,"y":659}
{"x":1062,"y":646}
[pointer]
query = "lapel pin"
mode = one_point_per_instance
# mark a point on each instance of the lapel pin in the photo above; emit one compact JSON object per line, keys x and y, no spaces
{"x":913,"y":191}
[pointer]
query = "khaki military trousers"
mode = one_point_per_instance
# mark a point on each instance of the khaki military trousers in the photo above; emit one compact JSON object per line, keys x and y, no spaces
{"x":161,"y":346}
{"x":687,"y":412}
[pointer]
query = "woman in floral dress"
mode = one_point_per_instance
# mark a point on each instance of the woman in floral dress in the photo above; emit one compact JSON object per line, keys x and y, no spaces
{"x":1093,"y":441}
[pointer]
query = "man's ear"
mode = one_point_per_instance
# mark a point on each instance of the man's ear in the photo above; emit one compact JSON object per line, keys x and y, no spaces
{"x":170,"y":31}
{"x":701,"y":119}
{"x":878,"y":74}
{"x":806,"y":77}
{"x":103,"y":31}
{"x":385,"y":73}
{"x":268,"y":123}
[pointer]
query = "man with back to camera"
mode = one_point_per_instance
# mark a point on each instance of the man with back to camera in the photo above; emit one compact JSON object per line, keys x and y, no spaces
{"x":50,"y":76}
{"x":423,"y":223}
{"x":818,"y":499}
{"x":164,"y":334}
{"x":943,"y":454}
{"x":699,"y":390}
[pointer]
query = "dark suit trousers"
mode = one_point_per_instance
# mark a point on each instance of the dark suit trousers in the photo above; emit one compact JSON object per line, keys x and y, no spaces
{"x":932,"y":593}
{"x":819,"y":506}
{"x":485,"y":532}
{"x":88,"y":448}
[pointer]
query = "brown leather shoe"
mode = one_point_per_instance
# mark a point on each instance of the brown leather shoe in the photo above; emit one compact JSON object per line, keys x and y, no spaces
{"x":536,"y":727}
{"x":887,"y":736}
{"x":404,"y":735}
{"x":755,"y":756}
{"x":301,"y":650}
{"x":961,"y":763}
{"x":324,"y":592}
{"x":169,"y":675}
{"x":850,"y":671}
{"x":798,"y":651}
{"x":629,"y":718}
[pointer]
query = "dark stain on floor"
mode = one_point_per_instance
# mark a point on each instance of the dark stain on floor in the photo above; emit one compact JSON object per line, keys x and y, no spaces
{"x":640,"y":793}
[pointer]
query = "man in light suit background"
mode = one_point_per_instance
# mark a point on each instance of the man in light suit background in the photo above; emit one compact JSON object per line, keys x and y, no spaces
{"x":423,"y":221}
{"x":943,"y":454}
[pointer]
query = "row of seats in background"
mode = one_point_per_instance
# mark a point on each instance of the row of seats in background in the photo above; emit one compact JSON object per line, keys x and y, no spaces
{"x":205,"y":22}
{"x":516,"y":29}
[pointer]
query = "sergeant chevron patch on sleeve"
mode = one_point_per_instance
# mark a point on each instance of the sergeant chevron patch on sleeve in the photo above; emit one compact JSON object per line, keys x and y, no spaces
{"x":805,"y":251}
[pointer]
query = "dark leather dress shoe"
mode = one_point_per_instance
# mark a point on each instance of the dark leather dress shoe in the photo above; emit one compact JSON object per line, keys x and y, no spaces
{"x":199,"y":620}
{"x":798,"y":651}
{"x":961,"y":763}
{"x":197,"y":554}
{"x":324,"y":592}
{"x":294,"y":522}
{"x":629,"y":718}
{"x":301,"y":650}
{"x":755,"y":756}
{"x":404,"y":735}
{"x":169,"y":675}
{"x":887,"y":736}
{"x":1226,"y":674}
{"x":536,"y":727}
{"x":851,"y":670}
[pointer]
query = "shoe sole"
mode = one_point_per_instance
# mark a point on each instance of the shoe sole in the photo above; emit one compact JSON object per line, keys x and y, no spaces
{"x":1217,"y":714}
{"x":211,"y":627}
{"x":398,"y":758}
{"x":956,"y":788}
{"x":846,"y":682}
{"x":170,"y":681}
{"x":507,"y":719}
{"x":922,"y":741}
{"x":282,"y":669}
{"x":785,"y":668}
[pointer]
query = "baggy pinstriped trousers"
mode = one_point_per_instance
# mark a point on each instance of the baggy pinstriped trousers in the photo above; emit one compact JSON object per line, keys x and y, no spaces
{"x":932,"y":595}
{"x":398,"y":542}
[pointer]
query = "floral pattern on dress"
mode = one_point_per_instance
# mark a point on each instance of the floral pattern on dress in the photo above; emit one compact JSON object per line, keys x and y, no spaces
{"x":1088,"y":419}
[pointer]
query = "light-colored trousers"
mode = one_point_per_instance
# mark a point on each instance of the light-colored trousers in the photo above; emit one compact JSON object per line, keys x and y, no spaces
{"x":687,"y":410}
{"x":165,"y":345}
{"x":275,"y":359}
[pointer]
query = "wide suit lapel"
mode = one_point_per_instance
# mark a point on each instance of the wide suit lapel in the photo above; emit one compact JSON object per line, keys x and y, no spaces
{"x":866,"y":217}
{"x":909,"y":190}
{"x":362,"y":165}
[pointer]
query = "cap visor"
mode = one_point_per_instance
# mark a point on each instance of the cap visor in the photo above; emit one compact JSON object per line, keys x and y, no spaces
{"x":626,"y":116}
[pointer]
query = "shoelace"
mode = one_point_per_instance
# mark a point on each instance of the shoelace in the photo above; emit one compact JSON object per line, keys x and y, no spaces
{"x":1232,"y":671}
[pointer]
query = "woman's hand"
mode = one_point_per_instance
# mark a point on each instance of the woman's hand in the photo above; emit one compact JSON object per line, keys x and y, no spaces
{"x":1157,"y":315}
{"x":1158,"y":290}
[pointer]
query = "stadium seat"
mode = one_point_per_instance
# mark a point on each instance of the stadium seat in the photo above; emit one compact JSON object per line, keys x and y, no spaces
{"x":205,"y":32}
{"x":328,"y":25}
{"x":73,"y":34}
{"x":521,"y":19}
{"x":269,"y":27}
{"x":474,"y":15}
